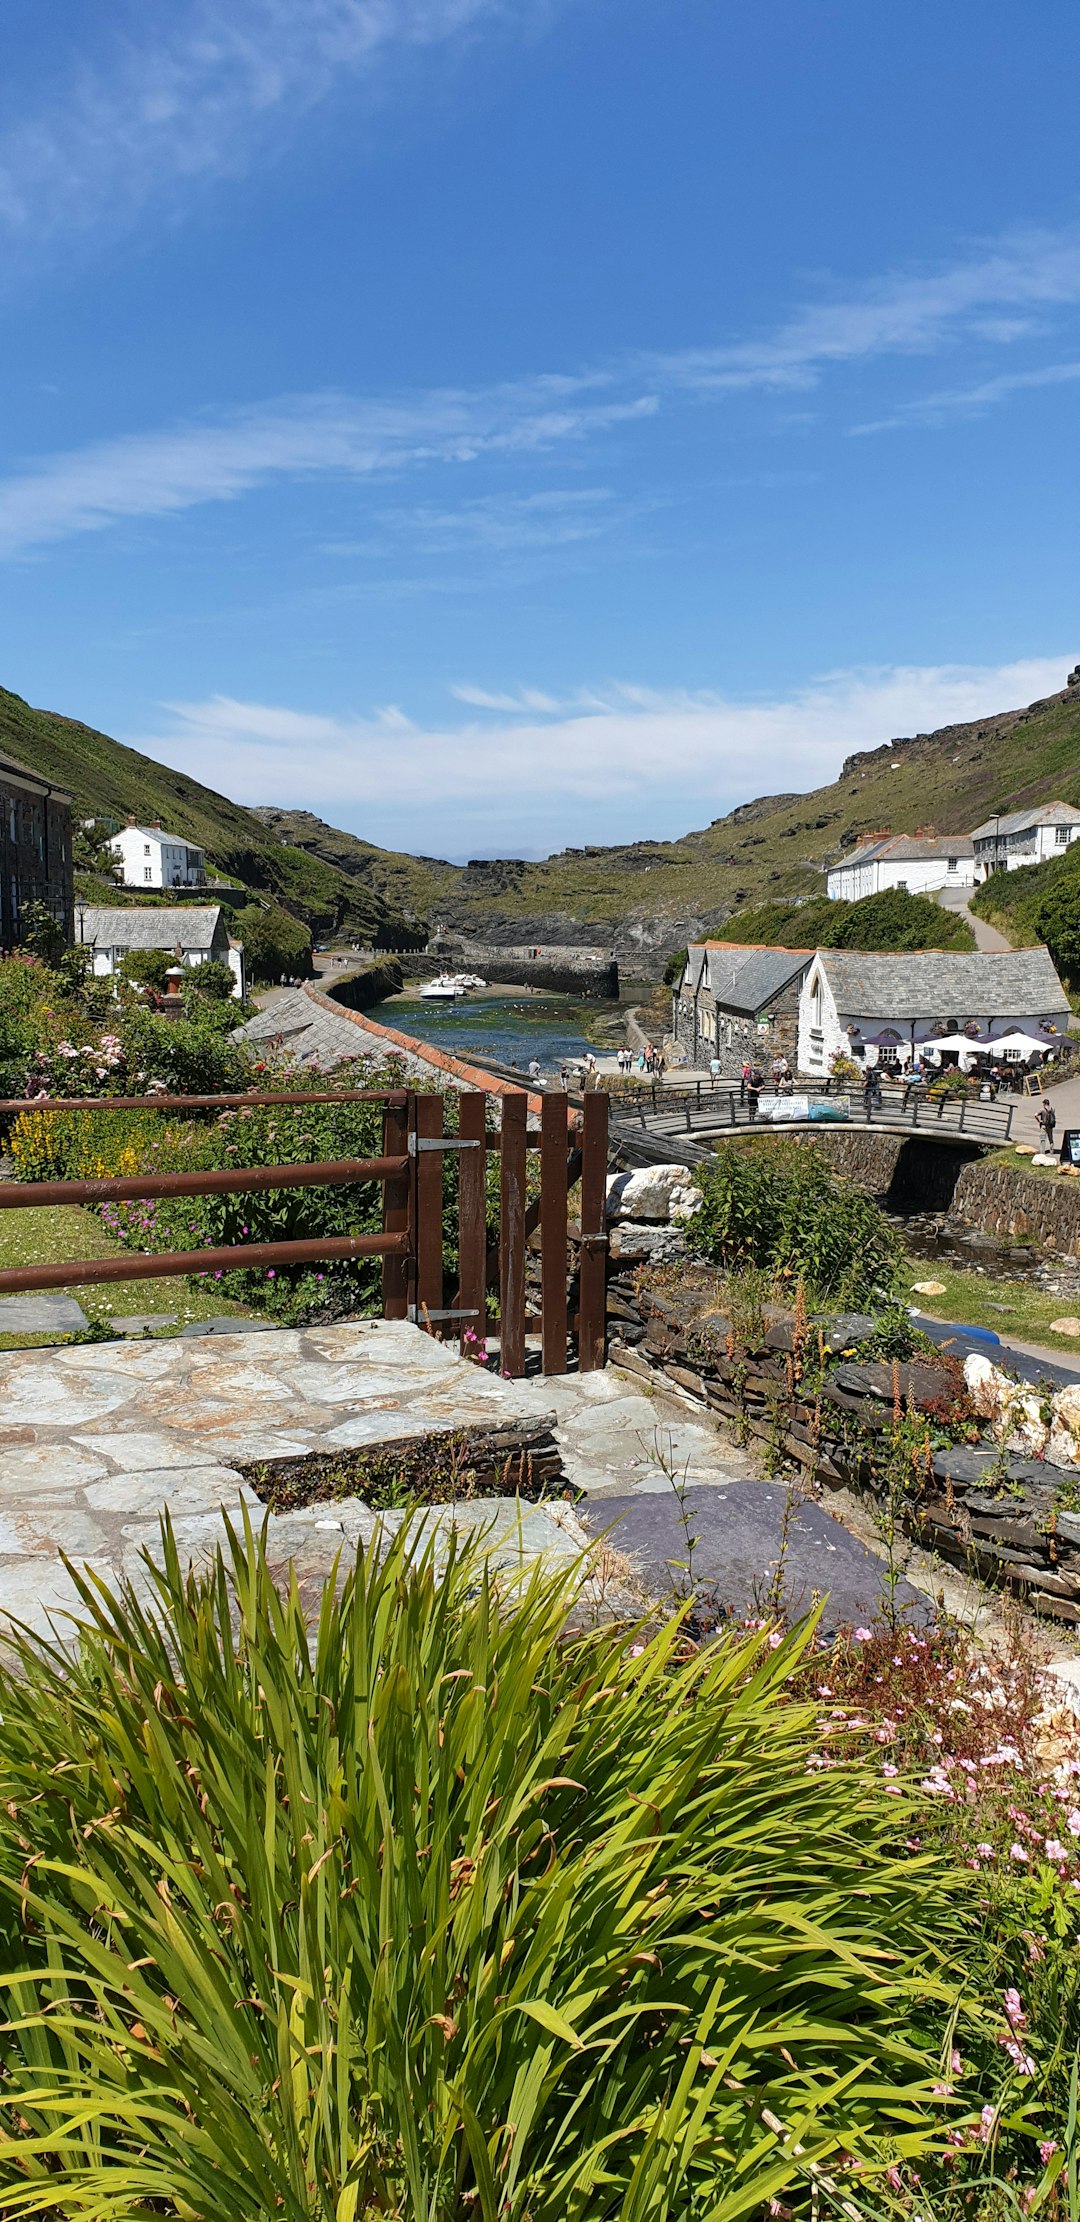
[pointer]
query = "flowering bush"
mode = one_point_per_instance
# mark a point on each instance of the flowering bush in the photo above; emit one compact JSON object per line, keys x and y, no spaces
{"x":985,"y":1772}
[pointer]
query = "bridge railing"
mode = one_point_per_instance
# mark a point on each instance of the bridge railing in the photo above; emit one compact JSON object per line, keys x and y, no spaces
{"x":707,"y":1108}
{"x":490,"y":1296}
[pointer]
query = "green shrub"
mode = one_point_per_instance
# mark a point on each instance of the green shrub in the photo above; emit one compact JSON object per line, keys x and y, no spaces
{"x":776,"y":1205}
{"x":146,"y":968}
{"x":892,"y":920}
{"x":438,"y":1912}
{"x":188,"y":1056}
{"x":274,"y":942}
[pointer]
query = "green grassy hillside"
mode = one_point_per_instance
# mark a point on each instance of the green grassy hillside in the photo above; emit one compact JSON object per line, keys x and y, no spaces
{"x":111,"y":781}
{"x":645,"y":897}
{"x":649,"y":895}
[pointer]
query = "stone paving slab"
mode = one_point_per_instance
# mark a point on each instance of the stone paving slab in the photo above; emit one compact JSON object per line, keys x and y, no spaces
{"x":738,"y":1541}
{"x":43,"y":1314}
{"x":98,"y":1440}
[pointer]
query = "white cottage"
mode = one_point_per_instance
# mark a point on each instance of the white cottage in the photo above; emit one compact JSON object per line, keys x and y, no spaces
{"x":192,"y":935}
{"x":1024,"y":837}
{"x":928,"y":1005}
{"x":152,"y":858}
{"x":919,"y":863}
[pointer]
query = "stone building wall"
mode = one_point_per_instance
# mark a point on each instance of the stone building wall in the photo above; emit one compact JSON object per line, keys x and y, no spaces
{"x":35,"y":852}
{"x":740,"y":1035}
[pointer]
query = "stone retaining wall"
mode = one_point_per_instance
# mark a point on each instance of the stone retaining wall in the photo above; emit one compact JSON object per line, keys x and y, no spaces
{"x":358,"y":991}
{"x":1004,"y":1201}
{"x":994,"y":1514}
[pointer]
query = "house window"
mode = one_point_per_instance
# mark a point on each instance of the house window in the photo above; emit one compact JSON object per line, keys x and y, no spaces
{"x":13,"y":823}
{"x":951,"y":863}
{"x":888,"y":1054}
{"x":148,"y":873}
{"x":1012,"y":1056}
{"x":1061,"y":836}
{"x":146,"y":848}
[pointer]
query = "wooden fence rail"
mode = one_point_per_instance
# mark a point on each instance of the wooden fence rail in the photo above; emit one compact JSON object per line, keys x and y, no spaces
{"x":572,"y":1143}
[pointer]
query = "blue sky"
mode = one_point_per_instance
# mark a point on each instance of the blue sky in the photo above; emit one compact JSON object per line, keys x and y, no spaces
{"x":502,"y":424}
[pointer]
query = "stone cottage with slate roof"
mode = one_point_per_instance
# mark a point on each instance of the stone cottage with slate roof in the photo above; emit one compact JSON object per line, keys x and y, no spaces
{"x":931,"y":1004}
{"x":194,"y":934}
{"x":737,"y":1000}
{"x":919,"y":863}
{"x":1006,"y":844}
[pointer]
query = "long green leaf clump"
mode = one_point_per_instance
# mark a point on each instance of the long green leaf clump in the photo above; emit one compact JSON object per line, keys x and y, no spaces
{"x":434,"y":1911}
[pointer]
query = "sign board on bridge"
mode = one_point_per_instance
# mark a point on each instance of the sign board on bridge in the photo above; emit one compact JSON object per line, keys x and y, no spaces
{"x":795,"y":1110}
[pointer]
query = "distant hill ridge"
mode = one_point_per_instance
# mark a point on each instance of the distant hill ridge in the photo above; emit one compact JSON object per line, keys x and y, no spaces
{"x":646,"y":898}
{"x":652,"y":897}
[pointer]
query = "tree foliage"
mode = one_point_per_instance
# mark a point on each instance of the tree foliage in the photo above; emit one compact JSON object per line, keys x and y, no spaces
{"x":892,"y":920}
{"x":273,"y":942}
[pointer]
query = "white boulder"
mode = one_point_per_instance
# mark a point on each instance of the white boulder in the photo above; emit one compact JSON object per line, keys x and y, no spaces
{"x":1063,"y":1448}
{"x":1014,"y":1410}
{"x":657,"y":1192}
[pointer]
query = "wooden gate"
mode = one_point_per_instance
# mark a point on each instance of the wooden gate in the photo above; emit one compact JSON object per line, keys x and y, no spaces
{"x":524,"y":1282}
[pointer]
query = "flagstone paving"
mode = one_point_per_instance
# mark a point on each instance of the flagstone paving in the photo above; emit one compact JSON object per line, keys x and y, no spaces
{"x":98,"y":1440}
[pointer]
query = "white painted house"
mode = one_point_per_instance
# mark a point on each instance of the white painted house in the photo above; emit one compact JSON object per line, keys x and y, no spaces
{"x":1024,"y":837}
{"x":193,"y":935}
{"x":153,"y":858}
{"x":919,"y":863}
{"x":934,"y":1006}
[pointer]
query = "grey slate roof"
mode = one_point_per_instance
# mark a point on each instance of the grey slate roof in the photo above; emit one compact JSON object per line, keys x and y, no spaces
{"x":158,"y":833}
{"x":930,"y":983}
{"x":909,"y":847}
{"x":744,"y":978}
{"x":1022,"y":821}
{"x":192,"y":927}
{"x":315,"y":1036}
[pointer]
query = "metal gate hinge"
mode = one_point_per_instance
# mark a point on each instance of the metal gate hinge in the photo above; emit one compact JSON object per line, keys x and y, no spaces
{"x":422,"y":1312}
{"x":418,"y":1142}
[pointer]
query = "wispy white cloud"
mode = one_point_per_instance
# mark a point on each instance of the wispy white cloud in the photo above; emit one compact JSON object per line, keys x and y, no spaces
{"x":217,"y":457}
{"x":151,"y":474}
{"x":969,"y":401}
{"x":899,"y":314}
{"x":534,"y":771}
{"x":174,"y":93}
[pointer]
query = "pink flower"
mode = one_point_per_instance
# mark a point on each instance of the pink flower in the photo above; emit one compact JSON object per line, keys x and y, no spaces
{"x":1022,"y":2060}
{"x":887,"y":1768}
{"x":1014,"y":2011}
{"x":863,"y":1635}
{"x":985,"y":1851}
{"x":894,"y":2177}
{"x":1072,"y":1821}
{"x":1047,"y":2148}
{"x":1055,"y":1852}
{"x":987,"y":2118}
{"x":1017,"y":1852}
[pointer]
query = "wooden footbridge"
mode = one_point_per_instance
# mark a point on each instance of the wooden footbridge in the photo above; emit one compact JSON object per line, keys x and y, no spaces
{"x":696,"y":1116}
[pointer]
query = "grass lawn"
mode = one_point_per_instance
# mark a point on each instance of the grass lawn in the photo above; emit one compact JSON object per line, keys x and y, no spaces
{"x":48,"y":1234}
{"x":1018,"y":1308}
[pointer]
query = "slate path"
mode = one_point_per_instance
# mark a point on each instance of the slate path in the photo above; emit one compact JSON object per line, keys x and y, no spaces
{"x":737,"y":1549}
{"x":96,"y":1440}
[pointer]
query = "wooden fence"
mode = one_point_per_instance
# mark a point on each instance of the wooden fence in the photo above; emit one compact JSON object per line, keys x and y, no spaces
{"x":490,"y":1297}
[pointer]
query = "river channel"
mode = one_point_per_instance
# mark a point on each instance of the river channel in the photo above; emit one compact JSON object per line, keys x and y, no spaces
{"x":510,"y":1029}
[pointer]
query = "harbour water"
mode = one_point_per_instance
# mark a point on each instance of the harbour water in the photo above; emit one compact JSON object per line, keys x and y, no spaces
{"x":510,"y":1029}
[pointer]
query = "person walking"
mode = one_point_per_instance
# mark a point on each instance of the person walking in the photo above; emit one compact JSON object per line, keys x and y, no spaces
{"x":534,"y":1068}
{"x":871,"y":1091}
{"x":753,"y":1090}
{"x":714,"y":1069}
{"x":1047,"y":1119}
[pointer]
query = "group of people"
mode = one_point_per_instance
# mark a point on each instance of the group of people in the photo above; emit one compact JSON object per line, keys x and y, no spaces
{"x":649,"y":1060}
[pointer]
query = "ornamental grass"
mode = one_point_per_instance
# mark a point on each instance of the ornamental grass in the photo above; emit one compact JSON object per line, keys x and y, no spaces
{"x":435,"y":1911}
